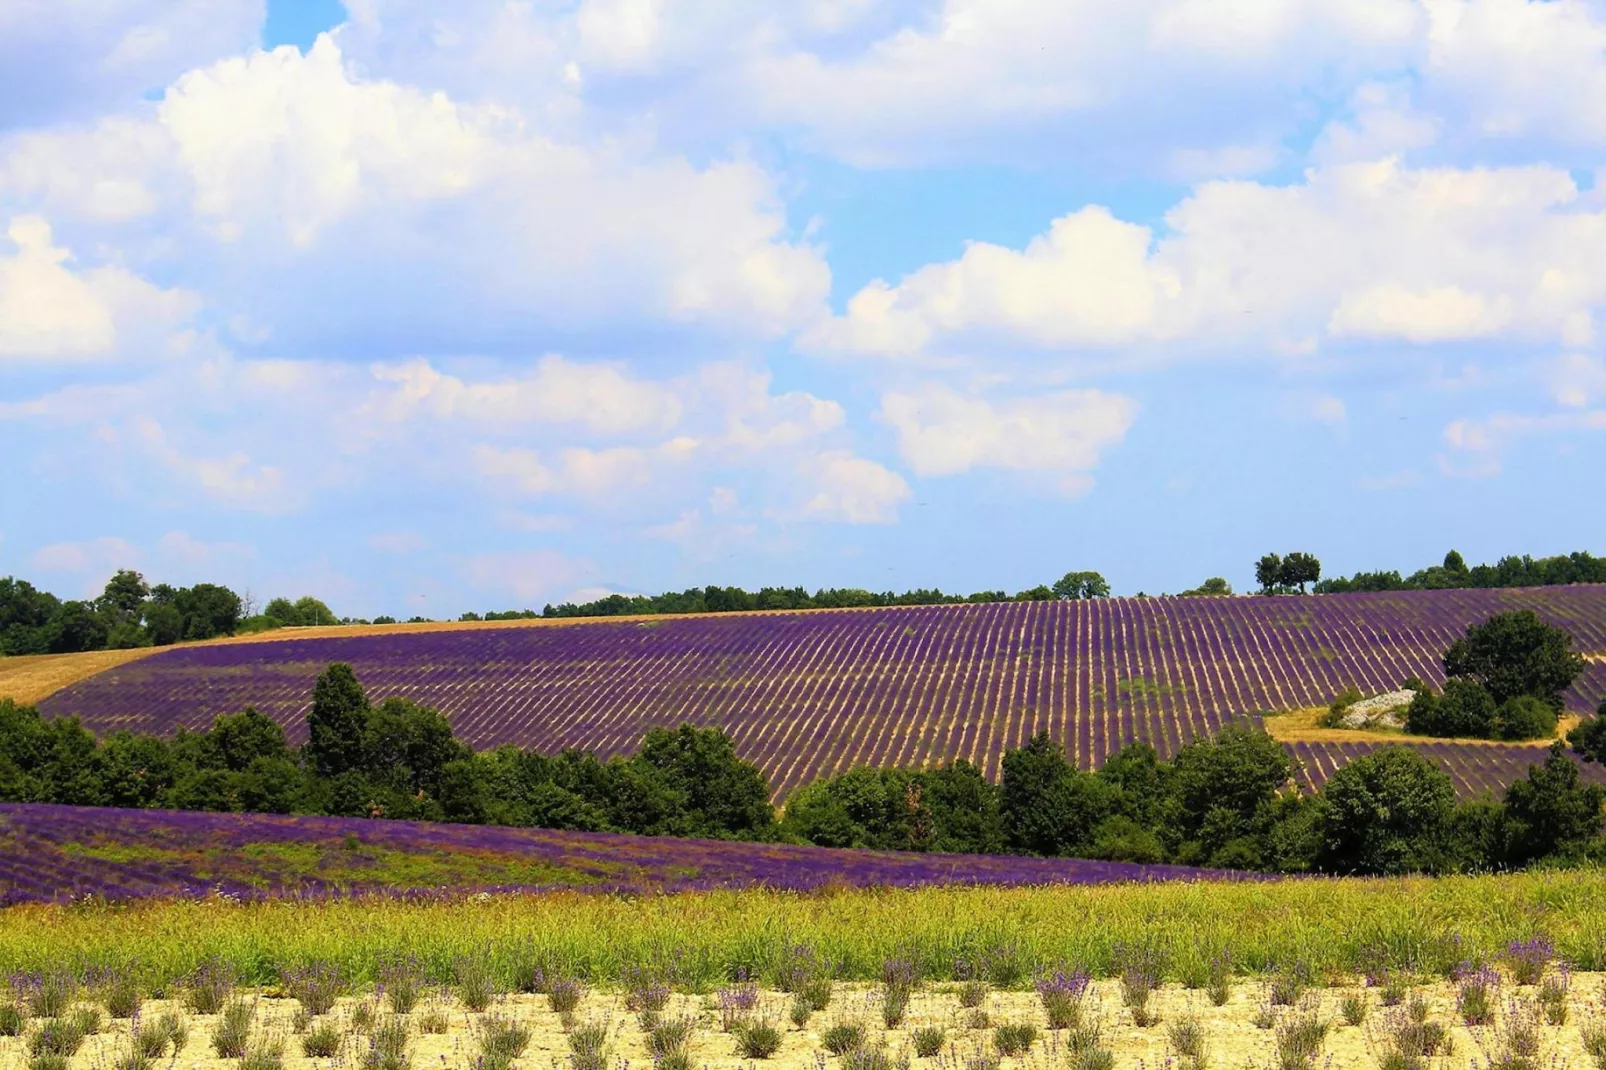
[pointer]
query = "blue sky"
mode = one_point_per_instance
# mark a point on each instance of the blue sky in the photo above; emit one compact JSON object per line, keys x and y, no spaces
{"x":424,"y":309}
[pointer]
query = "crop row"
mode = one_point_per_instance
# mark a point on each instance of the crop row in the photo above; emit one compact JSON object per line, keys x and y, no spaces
{"x":811,"y":694}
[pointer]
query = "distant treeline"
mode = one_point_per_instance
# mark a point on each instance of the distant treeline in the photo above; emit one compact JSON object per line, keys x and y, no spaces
{"x":1226,"y":801}
{"x":1453,"y":573}
{"x":130,"y":612}
{"x":1073,"y":585}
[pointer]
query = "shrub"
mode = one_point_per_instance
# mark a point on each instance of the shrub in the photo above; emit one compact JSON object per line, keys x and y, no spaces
{"x":1187,"y":1038}
{"x":209,"y":986}
{"x":928,"y":1040}
{"x":757,"y":1039}
{"x":120,"y":995}
{"x":1299,"y":1041}
{"x":315,"y":986}
{"x":1218,"y":981}
{"x":1527,"y":959}
{"x":1061,"y":994}
{"x":843,"y":1037}
{"x":669,"y":1036}
{"x":12,"y":1020}
{"x":400,"y":980}
{"x":564,"y":994}
{"x":1475,"y":995}
{"x":233,"y":1029}
{"x":56,"y":1036}
{"x":972,"y":993}
{"x":588,"y":1046}
{"x":1289,"y":982}
{"x":477,"y":983}
{"x":1014,"y":1038}
{"x":501,"y":1040}
{"x":87,"y":1019}
{"x":1353,"y":1008}
{"x":1526,"y":717}
{"x":263,"y":1055}
{"x":434,"y":1020}
{"x":1553,"y":992}
{"x":387,"y":1045}
{"x":48,"y":995}
{"x":321,"y":1041}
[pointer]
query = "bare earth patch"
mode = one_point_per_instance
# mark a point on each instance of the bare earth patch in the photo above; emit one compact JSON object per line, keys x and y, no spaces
{"x":1305,"y":726}
{"x":1233,"y":1039}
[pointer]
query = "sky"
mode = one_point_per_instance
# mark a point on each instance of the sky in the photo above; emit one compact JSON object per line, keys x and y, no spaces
{"x":426,"y":308}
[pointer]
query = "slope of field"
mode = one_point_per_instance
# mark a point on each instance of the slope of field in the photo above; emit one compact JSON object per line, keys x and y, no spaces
{"x":61,"y":853}
{"x":808,"y":694}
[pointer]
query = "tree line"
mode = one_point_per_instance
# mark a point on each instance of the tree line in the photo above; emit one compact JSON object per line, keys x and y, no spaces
{"x":131,"y":612}
{"x":1073,"y":585}
{"x":1453,"y":573}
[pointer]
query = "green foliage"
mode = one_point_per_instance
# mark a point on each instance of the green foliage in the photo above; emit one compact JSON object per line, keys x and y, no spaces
{"x":1553,"y":813}
{"x":1387,"y":812}
{"x":1516,"y":653}
{"x":1214,"y":587}
{"x":1466,"y":710}
{"x":1525,"y":717}
{"x":1512,"y":571}
{"x":128,"y":613}
{"x":1588,"y":737}
{"x":1081,"y":586}
{"x":336,"y":723}
{"x":1047,"y":806}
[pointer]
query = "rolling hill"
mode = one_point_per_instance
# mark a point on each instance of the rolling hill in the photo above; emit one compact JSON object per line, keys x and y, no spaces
{"x":807,"y":694}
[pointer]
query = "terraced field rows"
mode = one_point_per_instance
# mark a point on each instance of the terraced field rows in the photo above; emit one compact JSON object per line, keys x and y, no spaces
{"x":810,"y":694}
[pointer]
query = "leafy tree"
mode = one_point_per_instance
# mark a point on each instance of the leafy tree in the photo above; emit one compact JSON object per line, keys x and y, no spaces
{"x":134,"y":771}
{"x":164,"y":624}
{"x":1214,"y":587}
{"x":1588,"y":737}
{"x":1388,"y":812}
{"x":405,"y":747}
{"x":1298,"y":569}
{"x":964,"y":810}
{"x":25,"y":616}
{"x":1046,"y":806}
{"x":1516,"y":653}
{"x":720,"y":795}
{"x":1223,"y":787}
{"x":1075,"y":586}
{"x":75,"y":627}
{"x":236,"y":740}
{"x":1466,"y":710}
{"x":1525,"y":717}
{"x":337,"y":723}
{"x":1553,"y":812}
{"x":123,"y":599}
{"x":1269,"y":572}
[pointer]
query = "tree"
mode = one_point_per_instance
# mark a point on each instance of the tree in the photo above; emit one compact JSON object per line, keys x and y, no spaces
{"x":1269,"y":572}
{"x":1075,"y":586}
{"x":1298,"y":569}
{"x":337,"y":723}
{"x":722,"y":796}
{"x":25,"y":616}
{"x":1588,"y":737}
{"x":1516,"y":653}
{"x":238,"y":739}
{"x":1214,"y":587}
{"x":1223,"y":788}
{"x":124,"y":596}
{"x":1046,"y":806}
{"x":1388,"y":812}
{"x":1466,"y":710}
{"x":1525,"y":717}
{"x":1554,"y":813}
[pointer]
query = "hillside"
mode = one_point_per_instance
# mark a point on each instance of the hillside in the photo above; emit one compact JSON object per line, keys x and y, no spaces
{"x":61,"y":853}
{"x":807,"y":694}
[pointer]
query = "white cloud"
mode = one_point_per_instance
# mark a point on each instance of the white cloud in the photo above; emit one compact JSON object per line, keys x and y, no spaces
{"x":50,"y":312}
{"x":943,"y":432}
{"x":91,"y":561}
{"x":852,"y":490}
{"x":588,"y":473}
{"x":752,"y":420}
{"x":531,"y":574}
{"x":1361,"y":251}
{"x":599,"y":397}
{"x":233,"y":479}
{"x":1475,"y":446}
{"x":315,"y":201}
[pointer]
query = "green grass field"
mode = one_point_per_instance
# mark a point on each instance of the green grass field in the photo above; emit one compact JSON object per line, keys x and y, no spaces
{"x":1425,"y":925}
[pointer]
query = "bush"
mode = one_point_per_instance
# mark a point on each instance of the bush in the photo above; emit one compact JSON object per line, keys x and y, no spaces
{"x":1386,"y":813}
{"x":1526,"y":717}
{"x":1466,"y":710}
{"x":1588,"y":737}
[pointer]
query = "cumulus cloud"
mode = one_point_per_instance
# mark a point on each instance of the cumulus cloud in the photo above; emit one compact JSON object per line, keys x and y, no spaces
{"x":1475,"y":447}
{"x":853,"y":490}
{"x":91,"y":561}
{"x":48,"y":311}
{"x":1061,"y":435}
{"x":1371,"y":251}
{"x":332,"y":200}
{"x":589,"y":473}
{"x":1578,"y":379}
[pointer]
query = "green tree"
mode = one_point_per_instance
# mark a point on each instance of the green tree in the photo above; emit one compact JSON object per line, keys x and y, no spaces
{"x":236,"y":740}
{"x":25,"y":616}
{"x":1525,"y":717}
{"x":337,"y":723}
{"x":1552,"y":810}
{"x":1223,"y":788}
{"x":123,"y":599}
{"x":1298,"y":569}
{"x":406,"y":747}
{"x":1466,"y":710}
{"x":964,"y":810}
{"x":1048,"y":807}
{"x":1269,"y":573}
{"x":1081,"y":586}
{"x":1388,"y":812}
{"x":76,"y":627}
{"x":1516,"y":653}
{"x":721,"y":795}
{"x":1588,"y":737}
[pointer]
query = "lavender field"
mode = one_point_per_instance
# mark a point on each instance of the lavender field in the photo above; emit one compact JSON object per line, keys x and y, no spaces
{"x":62,"y":853}
{"x":809,"y":694}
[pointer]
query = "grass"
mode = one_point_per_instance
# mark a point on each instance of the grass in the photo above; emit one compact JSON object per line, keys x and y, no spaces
{"x":1418,"y":924}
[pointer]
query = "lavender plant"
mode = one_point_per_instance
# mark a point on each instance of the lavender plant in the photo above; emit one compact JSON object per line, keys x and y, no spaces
{"x":233,"y":1028}
{"x":736,"y":1001}
{"x":209,"y":986}
{"x":400,"y":980}
{"x":315,"y":985}
{"x":1014,"y":1038}
{"x":1218,"y":978}
{"x":1527,"y":959}
{"x":1061,"y":993}
{"x":500,"y":1041}
{"x":757,"y":1038}
{"x":588,"y":1046}
{"x":1553,"y":994}
{"x":843,"y":1037}
{"x":477,"y":982}
{"x":1476,"y":991}
{"x":564,"y":994}
{"x":1140,"y":967}
{"x":1188,"y":1041}
{"x":321,"y":1041}
{"x":388,"y":1045}
{"x":927,"y":1040}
